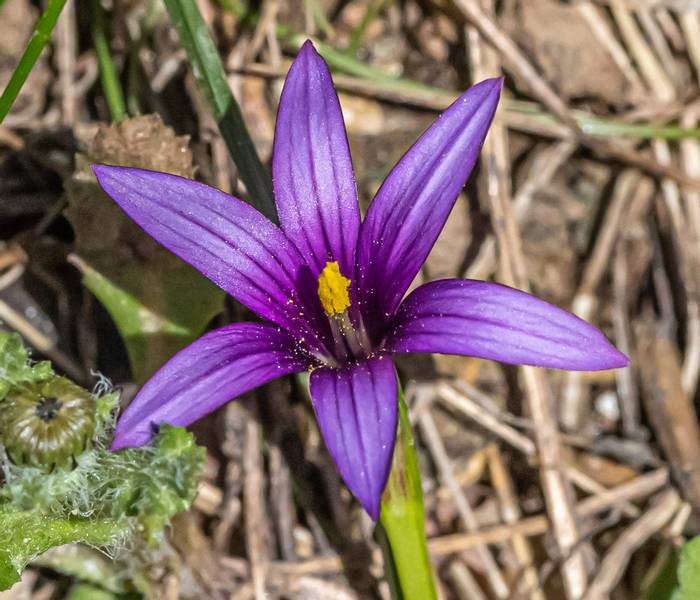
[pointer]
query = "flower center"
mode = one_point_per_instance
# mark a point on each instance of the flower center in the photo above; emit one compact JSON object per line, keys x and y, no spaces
{"x":349,"y":336}
{"x":333,"y":289}
{"x":47,"y":408}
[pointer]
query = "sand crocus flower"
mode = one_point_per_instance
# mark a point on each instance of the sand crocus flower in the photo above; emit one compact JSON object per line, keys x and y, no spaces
{"x":330,"y":287}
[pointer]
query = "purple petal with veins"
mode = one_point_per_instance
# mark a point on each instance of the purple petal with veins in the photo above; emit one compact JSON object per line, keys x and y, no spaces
{"x":356,"y":408}
{"x":489,"y":320}
{"x":412,"y":205}
{"x":312,"y":171}
{"x":218,"y":367}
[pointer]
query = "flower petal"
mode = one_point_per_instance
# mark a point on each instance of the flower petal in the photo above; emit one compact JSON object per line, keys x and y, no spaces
{"x":356,"y":408}
{"x":311,"y":167}
{"x":224,"y":238}
{"x":218,"y":367}
{"x":410,"y":209}
{"x":489,"y":320}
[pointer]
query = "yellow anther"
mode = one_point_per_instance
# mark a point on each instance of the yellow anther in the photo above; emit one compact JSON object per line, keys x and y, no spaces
{"x":333,"y":289}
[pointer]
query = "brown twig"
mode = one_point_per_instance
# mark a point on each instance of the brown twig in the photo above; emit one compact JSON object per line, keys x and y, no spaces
{"x":641,"y":487}
{"x":488,"y":420}
{"x":672,"y":414}
{"x":544,"y":166}
{"x":66,"y":53}
{"x":254,"y":507}
{"x":514,"y":273}
{"x":434,"y":443}
{"x":585,"y":301}
{"x":510,"y":511}
{"x":617,"y":558}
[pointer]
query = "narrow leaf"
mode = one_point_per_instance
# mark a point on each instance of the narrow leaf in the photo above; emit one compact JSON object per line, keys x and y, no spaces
{"x":178,"y":310}
{"x":211,"y":77}
{"x":108,"y":72}
{"x":41,"y":36}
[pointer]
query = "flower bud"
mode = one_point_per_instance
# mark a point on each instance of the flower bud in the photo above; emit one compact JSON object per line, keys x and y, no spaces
{"x":47,"y":424}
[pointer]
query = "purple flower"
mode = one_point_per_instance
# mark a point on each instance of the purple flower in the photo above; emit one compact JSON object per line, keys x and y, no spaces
{"x":329,"y":287}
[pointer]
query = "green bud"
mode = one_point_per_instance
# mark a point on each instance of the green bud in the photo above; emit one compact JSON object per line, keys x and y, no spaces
{"x":47,"y":424}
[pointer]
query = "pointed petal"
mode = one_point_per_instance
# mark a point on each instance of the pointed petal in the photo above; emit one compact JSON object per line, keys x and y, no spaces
{"x":218,"y":367}
{"x":311,"y":167}
{"x":410,"y":209}
{"x":224,"y":238}
{"x":356,"y":408}
{"x":488,"y":320}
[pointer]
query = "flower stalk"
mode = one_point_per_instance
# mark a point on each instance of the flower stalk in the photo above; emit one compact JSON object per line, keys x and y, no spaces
{"x":402,"y":520}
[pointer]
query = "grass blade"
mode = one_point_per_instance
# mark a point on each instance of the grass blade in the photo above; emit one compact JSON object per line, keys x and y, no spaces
{"x":108,"y":73}
{"x":40,"y":37}
{"x":210,"y":75}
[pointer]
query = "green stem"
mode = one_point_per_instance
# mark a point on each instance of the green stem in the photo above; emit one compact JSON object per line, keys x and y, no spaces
{"x":134,"y":76}
{"x":373,"y":9}
{"x":41,"y":36}
{"x":602,"y":127}
{"x":403,"y":520}
{"x":210,"y":75}
{"x":108,"y":72}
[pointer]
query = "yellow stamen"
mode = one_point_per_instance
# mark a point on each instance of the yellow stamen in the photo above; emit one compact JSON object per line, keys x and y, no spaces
{"x":333,"y":289}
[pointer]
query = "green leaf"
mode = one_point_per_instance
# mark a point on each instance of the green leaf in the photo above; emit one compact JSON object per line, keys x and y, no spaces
{"x":665,"y":584}
{"x":15,"y":366}
{"x":184,"y":302}
{"x":148,"y":485}
{"x":24,"y":535}
{"x":87,"y":565}
{"x":104,"y":499}
{"x":90,"y":592}
{"x":689,"y":571}
{"x":158,"y":481}
{"x":211,"y":77}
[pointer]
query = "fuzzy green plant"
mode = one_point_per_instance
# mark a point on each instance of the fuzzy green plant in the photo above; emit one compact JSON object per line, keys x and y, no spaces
{"x":15,"y":366}
{"x":63,"y":485}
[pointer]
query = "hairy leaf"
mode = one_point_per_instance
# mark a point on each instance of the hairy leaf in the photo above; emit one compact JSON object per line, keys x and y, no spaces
{"x":24,"y":535}
{"x":15,"y":366}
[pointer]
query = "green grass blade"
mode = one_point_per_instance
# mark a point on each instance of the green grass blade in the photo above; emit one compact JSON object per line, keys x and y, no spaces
{"x":41,"y":36}
{"x":108,"y":73}
{"x":210,"y":75}
{"x":374,"y":8}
